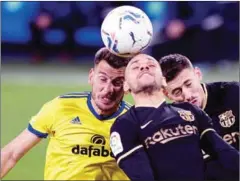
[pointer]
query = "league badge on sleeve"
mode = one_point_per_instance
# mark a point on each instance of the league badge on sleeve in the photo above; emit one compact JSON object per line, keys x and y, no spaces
{"x":115,"y":143}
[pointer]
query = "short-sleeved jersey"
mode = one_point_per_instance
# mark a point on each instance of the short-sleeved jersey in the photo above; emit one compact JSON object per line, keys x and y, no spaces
{"x":222,"y":106}
{"x":79,"y":139}
{"x":169,"y":134}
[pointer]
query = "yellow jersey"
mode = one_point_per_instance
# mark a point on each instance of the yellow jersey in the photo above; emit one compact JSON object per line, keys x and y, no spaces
{"x":79,"y":147}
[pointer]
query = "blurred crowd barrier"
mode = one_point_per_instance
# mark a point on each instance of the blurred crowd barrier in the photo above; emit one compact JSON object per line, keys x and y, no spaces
{"x":38,"y":32}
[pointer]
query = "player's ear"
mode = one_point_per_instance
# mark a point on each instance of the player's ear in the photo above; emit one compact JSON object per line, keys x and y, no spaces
{"x":126,"y":88}
{"x":164,"y":88}
{"x":165,"y":92}
{"x":164,"y":82}
{"x":90,"y":76}
{"x":198,"y":73}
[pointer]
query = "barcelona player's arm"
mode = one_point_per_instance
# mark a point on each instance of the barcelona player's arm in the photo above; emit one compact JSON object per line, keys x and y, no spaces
{"x":230,"y":92}
{"x":128,"y":151}
{"x":18,"y":147}
{"x":215,"y":146}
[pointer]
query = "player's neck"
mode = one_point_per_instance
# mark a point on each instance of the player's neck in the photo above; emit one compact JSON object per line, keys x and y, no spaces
{"x":101,"y":112}
{"x":204,"y":94}
{"x":155,"y":99}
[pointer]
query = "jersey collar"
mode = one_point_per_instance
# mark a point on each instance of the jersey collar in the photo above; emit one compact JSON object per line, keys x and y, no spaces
{"x":102,"y":117}
{"x":205,"y":95}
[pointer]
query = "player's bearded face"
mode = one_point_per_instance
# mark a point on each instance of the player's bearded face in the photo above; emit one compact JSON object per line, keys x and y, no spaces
{"x":186,"y":87}
{"x":107,"y":86}
{"x":143,"y":74}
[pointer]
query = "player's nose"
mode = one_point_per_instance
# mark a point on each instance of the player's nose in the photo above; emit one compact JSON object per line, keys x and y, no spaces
{"x":188,"y":97}
{"x":108,"y":88}
{"x":186,"y":94}
{"x":144,"y":67}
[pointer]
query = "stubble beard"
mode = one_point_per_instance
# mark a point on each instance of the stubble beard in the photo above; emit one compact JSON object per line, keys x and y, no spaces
{"x":148,"y":89}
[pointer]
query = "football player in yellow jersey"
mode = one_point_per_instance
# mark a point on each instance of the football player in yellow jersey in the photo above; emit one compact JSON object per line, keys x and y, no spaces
{"x":78,"y":125}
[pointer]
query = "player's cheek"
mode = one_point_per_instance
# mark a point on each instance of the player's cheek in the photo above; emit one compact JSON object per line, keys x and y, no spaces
{"x":178,"y":98}
{"x":119,"y":94}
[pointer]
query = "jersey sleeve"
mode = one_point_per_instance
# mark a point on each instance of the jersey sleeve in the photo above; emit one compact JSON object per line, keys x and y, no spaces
{"x":232,"y":87}
{"x":231,"y":93}
{"x":124,"y":138}
{"x":41,"y":123}
{"x":215,"y":146}
{"x":128,"y":150}
{"x":214,"y":169}
{"x":204,"y":122}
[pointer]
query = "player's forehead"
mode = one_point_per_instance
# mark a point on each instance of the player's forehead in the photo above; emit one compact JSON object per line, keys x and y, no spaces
{"x":142,"y":58}
{"x":184,"y":76}
{"x":103,"y":68}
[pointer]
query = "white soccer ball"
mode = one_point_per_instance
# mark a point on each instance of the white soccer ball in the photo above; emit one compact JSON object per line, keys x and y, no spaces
{"x":126,"y":31}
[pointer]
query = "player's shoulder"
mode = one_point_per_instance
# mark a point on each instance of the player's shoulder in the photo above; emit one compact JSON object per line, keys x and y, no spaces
{"x":65,"y":99}
{"x":184,"y":105}
{"x":127,"y":105}
{"x":125,"y":118}
{"x":74,"y":95}
{"x":222,"y":86}
{"x":188,"y":109}
{"x":223,"y":91}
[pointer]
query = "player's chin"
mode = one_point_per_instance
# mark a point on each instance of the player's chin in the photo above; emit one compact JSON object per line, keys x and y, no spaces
{"x":106,"y":106}
{"x":147,"y":83}
{"x":145,"y":77}
{"x":196,"y":103}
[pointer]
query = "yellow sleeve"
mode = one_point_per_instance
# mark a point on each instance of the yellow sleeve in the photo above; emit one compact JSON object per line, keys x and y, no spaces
{"x":42,"y":122}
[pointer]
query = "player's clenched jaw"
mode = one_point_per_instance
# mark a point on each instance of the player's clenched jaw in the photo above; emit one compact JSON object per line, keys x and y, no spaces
{"x":106,"y":79}
{"x":107,"y":86}
{"x":143,"y":73}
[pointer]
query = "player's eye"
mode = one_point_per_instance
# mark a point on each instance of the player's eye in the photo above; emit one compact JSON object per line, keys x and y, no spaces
{"x":118,"y":83}
{"x":177,"y":92}
{"x":135,"y":67}
{"x":188,"y":84}
{"x":152,"y":65}
{"x":103,"y":79}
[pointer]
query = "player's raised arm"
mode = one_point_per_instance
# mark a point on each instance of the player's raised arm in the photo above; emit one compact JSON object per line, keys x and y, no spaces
{"x":16,"y":149}
{"x":216,"y":147}
{"x":128,"y":151}
{"x":39,"y":127}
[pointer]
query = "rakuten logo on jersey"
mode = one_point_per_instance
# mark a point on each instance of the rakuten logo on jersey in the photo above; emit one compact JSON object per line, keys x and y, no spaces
{"x":166,"y":135}
{"x":231,"y":138}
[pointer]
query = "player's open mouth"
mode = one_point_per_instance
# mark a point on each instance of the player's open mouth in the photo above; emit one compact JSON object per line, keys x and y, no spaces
{"x":106,"y":100}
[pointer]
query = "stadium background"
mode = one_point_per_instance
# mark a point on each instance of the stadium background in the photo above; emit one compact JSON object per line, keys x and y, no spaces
{"x":48,"y":48}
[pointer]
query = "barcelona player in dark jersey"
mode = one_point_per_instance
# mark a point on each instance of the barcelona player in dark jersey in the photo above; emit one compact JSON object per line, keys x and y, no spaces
{"x":220,"y":100}
{"x":159,"y":141}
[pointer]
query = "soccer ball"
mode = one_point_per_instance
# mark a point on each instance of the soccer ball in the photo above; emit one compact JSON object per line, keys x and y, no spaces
{"x":126,"y":31}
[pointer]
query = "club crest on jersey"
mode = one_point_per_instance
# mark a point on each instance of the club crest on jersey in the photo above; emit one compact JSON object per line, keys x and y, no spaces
{"x":186,"y":115}
{"x":226,"y":119}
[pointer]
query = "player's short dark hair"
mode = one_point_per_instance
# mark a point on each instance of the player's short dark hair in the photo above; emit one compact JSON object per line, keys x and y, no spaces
{"x":173,"y":64}
{"x":113,"y":60}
